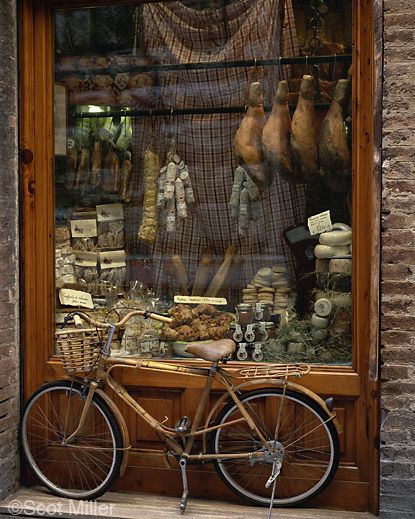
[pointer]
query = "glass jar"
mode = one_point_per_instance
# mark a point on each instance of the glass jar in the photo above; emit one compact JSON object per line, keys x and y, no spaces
{"x":244,"y":314}
{"x":263,"y":311}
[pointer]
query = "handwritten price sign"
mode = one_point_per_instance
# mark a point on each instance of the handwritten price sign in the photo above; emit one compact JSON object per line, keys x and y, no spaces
{"x":319,"y":223}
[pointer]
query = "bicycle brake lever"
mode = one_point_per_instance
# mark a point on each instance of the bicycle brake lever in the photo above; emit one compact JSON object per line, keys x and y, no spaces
{"x":66,"y":319}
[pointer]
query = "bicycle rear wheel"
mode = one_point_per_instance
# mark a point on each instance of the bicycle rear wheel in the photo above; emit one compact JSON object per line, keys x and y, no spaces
{"x":87,"y":466}
{"x":308,"y":439}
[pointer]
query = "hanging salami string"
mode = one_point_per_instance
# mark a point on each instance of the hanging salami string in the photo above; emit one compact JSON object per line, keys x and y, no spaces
{"x":152,"y":163}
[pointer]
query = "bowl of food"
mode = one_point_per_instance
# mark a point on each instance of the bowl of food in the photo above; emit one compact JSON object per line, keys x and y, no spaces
{"x":204,"y":323}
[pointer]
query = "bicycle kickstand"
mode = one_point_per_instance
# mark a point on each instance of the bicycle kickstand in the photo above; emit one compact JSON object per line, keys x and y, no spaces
{"x":183,"y":499}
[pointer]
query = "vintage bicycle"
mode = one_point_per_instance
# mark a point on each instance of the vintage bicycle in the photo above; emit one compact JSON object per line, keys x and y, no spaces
{"x":272,"y":441}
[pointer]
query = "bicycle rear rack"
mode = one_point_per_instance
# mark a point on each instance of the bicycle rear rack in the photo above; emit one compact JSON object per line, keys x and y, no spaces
{"x":272,"y":371}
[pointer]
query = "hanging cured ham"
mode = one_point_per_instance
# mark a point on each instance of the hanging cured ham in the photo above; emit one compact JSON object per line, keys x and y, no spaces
{"x":276,"y":143}
{"x":303,"y":137}
{"x":333,"y":149}
{"x":247,"y":143}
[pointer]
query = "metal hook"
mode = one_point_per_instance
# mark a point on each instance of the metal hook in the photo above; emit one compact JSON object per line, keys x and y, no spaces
{"x":255,"y":70}
{"x":280,"y":67}
{"x":306,"y":63}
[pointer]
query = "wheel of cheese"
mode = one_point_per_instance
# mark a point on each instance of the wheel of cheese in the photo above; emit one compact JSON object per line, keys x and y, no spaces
{"x":328,"y":251}
{"x":336,"y":238}
{"x":295,"y":347}
{"x":340,"y":266}
{"x":322,"y":265}
{"x":340,"y":227}
{"x":341,"y":300}
{"x":319,"y":322}
{"x":319,"y":334}
{"x":323,"y":307}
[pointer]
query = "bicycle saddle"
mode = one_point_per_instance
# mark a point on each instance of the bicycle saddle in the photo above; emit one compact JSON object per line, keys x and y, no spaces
{"x":212,"y":351}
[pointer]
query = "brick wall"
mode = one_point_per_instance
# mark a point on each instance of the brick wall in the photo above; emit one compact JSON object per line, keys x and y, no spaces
{"x":9,"y":241}
{"x":398,"y":263}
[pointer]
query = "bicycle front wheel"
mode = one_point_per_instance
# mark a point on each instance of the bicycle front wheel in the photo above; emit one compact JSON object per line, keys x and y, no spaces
{"x":87,"y":465}
{"x":306,"y":437}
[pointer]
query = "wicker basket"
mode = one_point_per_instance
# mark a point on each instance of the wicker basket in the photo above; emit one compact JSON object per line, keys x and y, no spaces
{"x":79,"y":347}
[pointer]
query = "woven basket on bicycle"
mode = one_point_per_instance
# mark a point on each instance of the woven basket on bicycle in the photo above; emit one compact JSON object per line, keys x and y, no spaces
{"x":80,"y":348}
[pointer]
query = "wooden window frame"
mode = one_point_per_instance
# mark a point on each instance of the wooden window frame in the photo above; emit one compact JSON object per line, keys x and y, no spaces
{"x":36,"y":123}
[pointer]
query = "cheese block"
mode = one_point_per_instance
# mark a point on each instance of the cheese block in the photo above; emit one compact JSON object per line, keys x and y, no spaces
{"x":322,"y":265}
{"x":340,"y":266}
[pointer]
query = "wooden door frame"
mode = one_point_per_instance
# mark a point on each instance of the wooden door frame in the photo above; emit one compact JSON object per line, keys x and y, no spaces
{"x":36,"y":123}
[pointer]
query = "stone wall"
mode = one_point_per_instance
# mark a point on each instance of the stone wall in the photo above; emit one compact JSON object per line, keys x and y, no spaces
{"x":398,"y":263}
{"x":9,"y":250}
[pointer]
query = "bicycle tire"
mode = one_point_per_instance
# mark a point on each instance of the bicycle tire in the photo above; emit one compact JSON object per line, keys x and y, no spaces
{"x":309,"y":461}
{"x":87,"y":467}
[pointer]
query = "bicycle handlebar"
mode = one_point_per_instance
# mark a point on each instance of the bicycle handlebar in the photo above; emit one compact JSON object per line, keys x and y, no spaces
{"x":100,"y":324}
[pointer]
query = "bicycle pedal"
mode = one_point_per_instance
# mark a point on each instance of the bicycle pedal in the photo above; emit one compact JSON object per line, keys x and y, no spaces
{"x":182,"y":425}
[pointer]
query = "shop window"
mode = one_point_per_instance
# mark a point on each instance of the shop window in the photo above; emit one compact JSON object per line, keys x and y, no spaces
{"x":193,"y":141}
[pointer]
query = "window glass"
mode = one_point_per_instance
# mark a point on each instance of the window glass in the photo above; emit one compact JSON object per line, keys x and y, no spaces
{"x":193,"y":142}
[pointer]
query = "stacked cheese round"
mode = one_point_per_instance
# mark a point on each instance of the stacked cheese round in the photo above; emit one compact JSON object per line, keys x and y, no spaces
{"x":334,"y":243}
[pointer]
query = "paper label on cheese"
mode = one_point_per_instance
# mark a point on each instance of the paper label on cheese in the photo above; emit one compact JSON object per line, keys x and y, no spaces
{"x":86,"y":259}
{"x":77,"y":298}
{"x":83,"y":228}
{"x":112,"y":259}
{"x":109,"y":212}
{"x":197,"y":300}
{"x":319,"y":223}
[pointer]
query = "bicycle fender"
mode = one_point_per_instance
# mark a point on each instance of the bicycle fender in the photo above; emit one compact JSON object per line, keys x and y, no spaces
{"x":253,"y":384}
{"x":123,"y":426}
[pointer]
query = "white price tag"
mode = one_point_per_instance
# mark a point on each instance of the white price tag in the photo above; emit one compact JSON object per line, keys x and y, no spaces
{"x":197,"y":300}
{"x":109,"y":212}
{"x":112,"y":259}
{"x":83,"y":228}
{"x":86,"y":259}
{"x":319,"y":223}
{"x":71,"y":297}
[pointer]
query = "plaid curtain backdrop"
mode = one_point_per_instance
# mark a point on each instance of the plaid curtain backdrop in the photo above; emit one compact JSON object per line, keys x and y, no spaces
{"x":174,"y":33}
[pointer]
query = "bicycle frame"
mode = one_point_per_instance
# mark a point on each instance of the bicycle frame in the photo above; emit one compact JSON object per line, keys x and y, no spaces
{"x":168,"y":435}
